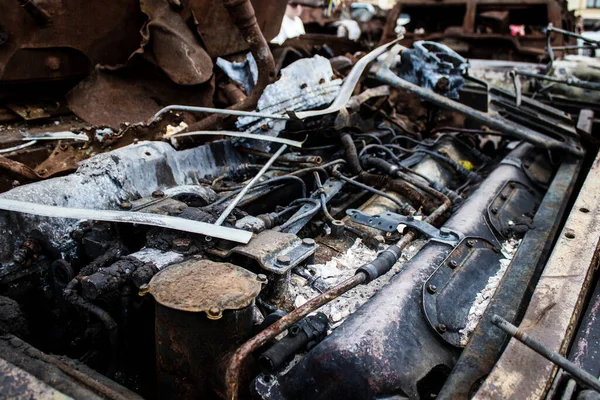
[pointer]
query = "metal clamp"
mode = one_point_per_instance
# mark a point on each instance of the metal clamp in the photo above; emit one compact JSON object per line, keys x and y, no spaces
{"x":389,"y":222}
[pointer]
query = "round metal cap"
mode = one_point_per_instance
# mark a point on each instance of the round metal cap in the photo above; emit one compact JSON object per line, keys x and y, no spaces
{"x":199,"y":285}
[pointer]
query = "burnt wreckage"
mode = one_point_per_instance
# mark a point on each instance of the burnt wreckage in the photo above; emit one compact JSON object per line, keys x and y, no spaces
{"x":362,"y":235}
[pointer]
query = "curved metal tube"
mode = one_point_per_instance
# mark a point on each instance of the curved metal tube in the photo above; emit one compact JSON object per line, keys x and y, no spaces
{"x":211,"y":110}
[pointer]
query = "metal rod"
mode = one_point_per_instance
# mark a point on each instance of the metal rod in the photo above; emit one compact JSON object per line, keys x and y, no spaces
{"x":577,"y":372}
{"x":568,"y":81}
{"x":19,"y":147}
{"x":245,"y":190}
{"x":236,"y":363}
{"x":494,"y":122}
{"x":217,"y":111}
{"x":588,"y":46}
{"x":246,"y":135}
{"x":551,"y":28}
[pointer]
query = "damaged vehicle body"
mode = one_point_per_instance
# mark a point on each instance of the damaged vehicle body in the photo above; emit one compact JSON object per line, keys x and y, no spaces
{"x":228,"y":219}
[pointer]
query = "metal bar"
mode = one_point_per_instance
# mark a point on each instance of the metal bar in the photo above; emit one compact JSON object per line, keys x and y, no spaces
{"x":232,"y":374}
{"x":163,"y":221}
{"x":551,"y":28}
{"x":552,"y":356}
{"x":589,"y":46}
{"x":234,"y":368}
{"x":246,"y":135}
{"x":495,"y":123}
{"x":568,"y":81}
{"x":66,"y":135}
{"x":245,"y":190}
{"x":216,"y":111}
{"x":19,"y":147}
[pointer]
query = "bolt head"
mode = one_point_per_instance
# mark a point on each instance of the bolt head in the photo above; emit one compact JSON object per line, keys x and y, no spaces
{"x":470,"y":243}
{"x":431,"y":288}
{"x":441,"y":328}
{"x":494,"y":210}
{"x":308,"y":242}
{"x":158,"y":194}
{"x":285,"y":260}
{"x":125,"y":205}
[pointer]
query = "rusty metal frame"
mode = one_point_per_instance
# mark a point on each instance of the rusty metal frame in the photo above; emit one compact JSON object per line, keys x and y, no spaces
{"x":556,"y":304}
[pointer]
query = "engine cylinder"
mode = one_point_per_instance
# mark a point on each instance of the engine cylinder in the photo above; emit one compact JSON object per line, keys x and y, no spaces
{"x":204,"y":311}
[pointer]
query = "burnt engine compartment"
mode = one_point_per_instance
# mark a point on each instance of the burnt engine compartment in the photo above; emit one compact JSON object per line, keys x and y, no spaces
{"x":425,"y":225}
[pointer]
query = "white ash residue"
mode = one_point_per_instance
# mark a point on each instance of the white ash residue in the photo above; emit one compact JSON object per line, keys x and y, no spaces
{"x":343,"y":267}
{"x":483,"y":298}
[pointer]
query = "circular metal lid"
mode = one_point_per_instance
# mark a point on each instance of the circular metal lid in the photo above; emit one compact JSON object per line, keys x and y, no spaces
{"x":199,"y":285}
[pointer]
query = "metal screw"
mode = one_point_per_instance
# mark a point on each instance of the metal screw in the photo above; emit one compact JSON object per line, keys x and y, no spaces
{"x":431,"y":288}
{"x":158,"y":194}
{"x":285,"y":260}
{"x":125,"y":205}
{"x":453,"y":264}
{"x":262,"y":278}
{"x":308,"y":242}
{"x":441,"y":328}
{"x":470,"y":243}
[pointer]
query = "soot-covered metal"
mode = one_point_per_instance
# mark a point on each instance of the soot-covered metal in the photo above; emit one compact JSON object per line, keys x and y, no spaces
{"x":302,"y":224}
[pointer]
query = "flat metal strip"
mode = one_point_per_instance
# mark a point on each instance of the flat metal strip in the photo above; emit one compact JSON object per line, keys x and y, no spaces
{"x":128,"y":217}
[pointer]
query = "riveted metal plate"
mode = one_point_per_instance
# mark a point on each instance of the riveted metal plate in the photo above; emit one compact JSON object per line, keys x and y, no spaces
{"x":452,"y":289}
{"x":511,"y":211}
{"x":276,"y":252}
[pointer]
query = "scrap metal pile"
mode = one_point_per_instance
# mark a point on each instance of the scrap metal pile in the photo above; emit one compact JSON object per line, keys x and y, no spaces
{"x":352,"y":226}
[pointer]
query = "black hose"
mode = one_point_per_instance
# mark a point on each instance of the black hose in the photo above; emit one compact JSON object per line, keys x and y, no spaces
{"x":72,"y":296}
{"x":351,"y":154}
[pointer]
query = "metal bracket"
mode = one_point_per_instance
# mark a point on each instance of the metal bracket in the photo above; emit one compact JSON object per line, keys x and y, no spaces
{"x":276,"y":252}
{"x":389,"y":222}
{"x":451,"y":290}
